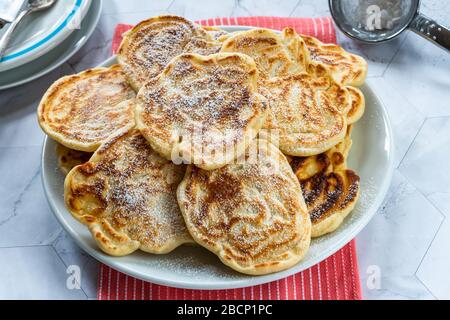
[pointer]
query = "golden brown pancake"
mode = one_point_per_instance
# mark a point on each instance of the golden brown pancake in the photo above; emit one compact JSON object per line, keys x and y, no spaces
{"x":215,"y":33}
{"x":202,"y":109}
{"x":68,"y":158}
{"x":308,"y":108}
{"x":250,"y":214}
{"x":346,"y":68}
{"x":329,"y":188}
{"x":147,"y":48}
{"x":307,"y":111}
{"x":126,"y":195}
{"x":276,"y":55}
{"x":81,"y":111}
{"x":203,"y":46}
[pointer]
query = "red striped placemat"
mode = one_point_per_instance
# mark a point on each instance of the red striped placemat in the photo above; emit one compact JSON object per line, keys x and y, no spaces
{"x":336,"y":278}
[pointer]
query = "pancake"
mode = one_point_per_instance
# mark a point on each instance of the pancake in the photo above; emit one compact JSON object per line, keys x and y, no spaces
{"x":126,"y":196}
{"x":276,"y":55}
{"x":202,"y":109}
{"x":203,"y":46}
{"x":215,"y":33}
{"x":147,"y":48}
{"x":329,"y":188}
{"x":250,"y":214}
{"x":346,"y":68}
{"x":68,"y":158}
{"x":81,"y":111}
{"x":357,"y":105}
{"x":307,"y":111}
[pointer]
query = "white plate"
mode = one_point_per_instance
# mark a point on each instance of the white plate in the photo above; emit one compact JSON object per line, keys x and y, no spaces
{"x":40,"y":32}
{"x":56,"y":57}
{"x":196,"y":268}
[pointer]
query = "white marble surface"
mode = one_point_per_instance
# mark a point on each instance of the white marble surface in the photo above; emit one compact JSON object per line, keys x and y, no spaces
{"x":407,"y":241}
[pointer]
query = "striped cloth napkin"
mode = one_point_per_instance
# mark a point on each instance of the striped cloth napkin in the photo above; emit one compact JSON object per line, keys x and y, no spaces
{"x":336,"y":278}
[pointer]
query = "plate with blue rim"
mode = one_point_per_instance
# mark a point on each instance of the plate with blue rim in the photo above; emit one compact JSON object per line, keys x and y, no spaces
{"x":55,"y":57}
{"x":42,"y":31}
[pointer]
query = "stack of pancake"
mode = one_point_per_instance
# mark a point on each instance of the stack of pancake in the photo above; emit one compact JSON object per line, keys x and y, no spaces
{"x":237,"y":142}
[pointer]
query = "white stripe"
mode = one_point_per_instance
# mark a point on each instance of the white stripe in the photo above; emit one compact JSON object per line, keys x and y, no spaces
{"x":303,"y":286}
{"x":134,"y":288}
{"x":344,"y":272}
{"x":311,"y":284}
{"x":330,"y":27}
{"x":335,"y":278}
{"x":278,"y":289}
{"x":295,"y":286}
{"x":109,"y":283}
{"x":322,"y":28}
{"x":318,"y":280}
{"x":352,"y":270}
{"x":260,"y":292}
{"x":117,"y":285}
{"x":100,"y":285}
{"x":126,"y":287}
{"x":150,"y":291}
{"x":327,"y":279}
{"x":286,"y":288}
{"x":142,"y":290}
{"x":270,"y":291}
{"x":315,"y":27}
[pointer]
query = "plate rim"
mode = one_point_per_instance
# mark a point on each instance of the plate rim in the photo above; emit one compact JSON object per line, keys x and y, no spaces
{"x":80,"y":43}
{"x":34,"y":51}
{"x":351,"y":233}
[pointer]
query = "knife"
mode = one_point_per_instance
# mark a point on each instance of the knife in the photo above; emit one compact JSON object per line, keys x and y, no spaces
{"x":9,"y":10}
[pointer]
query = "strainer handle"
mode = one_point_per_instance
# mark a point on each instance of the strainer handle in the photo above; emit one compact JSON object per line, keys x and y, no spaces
{"x":431,"y":30}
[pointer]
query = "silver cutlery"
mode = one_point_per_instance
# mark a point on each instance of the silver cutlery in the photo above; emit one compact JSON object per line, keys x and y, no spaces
{"x":33,"y":6}
{"x":9,"y":9}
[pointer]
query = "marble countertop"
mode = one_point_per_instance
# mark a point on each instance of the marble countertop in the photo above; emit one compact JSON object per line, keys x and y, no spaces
{"x":403,"y":252}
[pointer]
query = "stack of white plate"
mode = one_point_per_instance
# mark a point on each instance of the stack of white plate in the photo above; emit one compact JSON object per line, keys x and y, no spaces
{"x":48,"y":39}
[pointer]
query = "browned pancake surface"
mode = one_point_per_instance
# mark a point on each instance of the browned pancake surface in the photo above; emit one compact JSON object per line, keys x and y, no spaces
{"x":346,"y":68}
{"x":250,"y":214}
{"x":203,"y":109}
{"x":81,"y":111}
{"x":329,"y":188}
{"x":148,"y":47}
{"x":126,"y":195}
